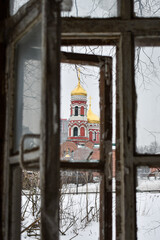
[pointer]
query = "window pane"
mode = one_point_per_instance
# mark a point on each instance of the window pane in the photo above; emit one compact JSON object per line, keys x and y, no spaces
{"x":147,"y":8}
{"x":15,"y":5}
{"x":79,"y":205}
{"x":30,"y":205}
{"x":148,"y":203}
{"x":93,"y":8}
{"x":147,"y":79}
{"x":28,"y":86}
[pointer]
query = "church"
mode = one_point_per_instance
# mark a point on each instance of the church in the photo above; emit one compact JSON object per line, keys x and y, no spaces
{"x":83,"y":126}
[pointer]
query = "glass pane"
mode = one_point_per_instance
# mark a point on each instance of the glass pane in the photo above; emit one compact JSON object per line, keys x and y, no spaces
{"x":30,"y":205}
{"x":147,"y":8}
{"x":28,"y":86}
{"x":15,"y":5}
{"x":148,"y":203}
{"x":93,"y":8}
{"x":147,"y":80}
{"x":79,"y":205}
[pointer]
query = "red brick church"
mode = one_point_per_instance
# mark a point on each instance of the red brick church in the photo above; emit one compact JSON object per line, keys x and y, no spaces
{"x":83,"y":129}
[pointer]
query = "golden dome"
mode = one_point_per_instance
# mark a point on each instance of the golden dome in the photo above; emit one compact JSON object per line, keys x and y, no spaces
{"x":67,"y":154}
{"x":91,"y":117}
{"x":79,"y":90}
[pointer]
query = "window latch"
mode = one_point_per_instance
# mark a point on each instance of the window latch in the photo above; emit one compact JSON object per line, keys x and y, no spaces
{"x":29,"y":157}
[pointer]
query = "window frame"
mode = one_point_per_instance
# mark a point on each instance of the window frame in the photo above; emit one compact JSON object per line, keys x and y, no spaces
{"x":105,"y":65}
{"x":17,"y":26}
{"x":121,"y":32}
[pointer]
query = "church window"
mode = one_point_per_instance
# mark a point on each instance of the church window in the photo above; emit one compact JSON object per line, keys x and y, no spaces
{"x":82,"y":130}
{"x":76,"y":111}
{"x":94,"y":136}
{"x":75,"y":131}
{"x":82,"y":111}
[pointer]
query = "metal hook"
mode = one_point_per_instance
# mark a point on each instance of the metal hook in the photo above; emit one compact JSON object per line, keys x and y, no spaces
{"x":31,"y":164}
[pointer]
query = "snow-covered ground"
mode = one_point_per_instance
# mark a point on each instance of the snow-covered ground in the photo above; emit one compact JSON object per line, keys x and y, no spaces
{"x":79,"y":212}
{"x":148,"y":209}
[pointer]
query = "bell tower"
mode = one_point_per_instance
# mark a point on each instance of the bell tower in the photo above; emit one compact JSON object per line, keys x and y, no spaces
{"x":93,"y":125}
{"x":77,"y":127}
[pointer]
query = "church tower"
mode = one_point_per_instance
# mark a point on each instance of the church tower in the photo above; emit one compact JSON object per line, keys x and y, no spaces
{"x":78,"y":125}
{"x":93,"y":126}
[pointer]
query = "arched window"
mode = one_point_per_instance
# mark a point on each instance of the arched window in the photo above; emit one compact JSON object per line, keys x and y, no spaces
{"x":76,"y":111}
{"x":90,"y":136}
{"x":82,"y":111}
{"x":82,"y":131}
{"x":75,"y":132}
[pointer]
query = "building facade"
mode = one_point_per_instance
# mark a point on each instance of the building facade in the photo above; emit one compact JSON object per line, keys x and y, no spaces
{"x":83,"y":125}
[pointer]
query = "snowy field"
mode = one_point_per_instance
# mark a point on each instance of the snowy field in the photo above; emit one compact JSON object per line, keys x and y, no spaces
{"x":79,"y":212}
{"x":148,"y":209}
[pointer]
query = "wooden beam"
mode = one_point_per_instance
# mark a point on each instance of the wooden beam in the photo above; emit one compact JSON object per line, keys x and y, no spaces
{"x":4,"y":12}
{"x":50,"y":124}
{"x":128,"y":203}
{"x":96,"y":27}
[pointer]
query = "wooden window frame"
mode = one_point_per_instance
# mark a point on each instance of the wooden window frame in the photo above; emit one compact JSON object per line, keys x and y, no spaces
{"x":121,"y":32}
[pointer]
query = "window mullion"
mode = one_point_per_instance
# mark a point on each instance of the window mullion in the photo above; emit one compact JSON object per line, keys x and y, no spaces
{"x":50,"y":163}
{"x":126,"y":135}
{"x":147,"y":160}
{"x":126,"y":9}
{"x":106,"y":149}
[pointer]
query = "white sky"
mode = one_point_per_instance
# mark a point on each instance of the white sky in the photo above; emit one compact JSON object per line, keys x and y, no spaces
{"x":148,"y":96}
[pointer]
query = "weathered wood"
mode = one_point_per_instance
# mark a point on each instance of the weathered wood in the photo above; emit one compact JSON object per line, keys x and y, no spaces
{"x":147,"y":160}
{"x":2,"y":125}
{"x":128,"y":210}
{"x":126,"y":9}
{"x":106,"y":148}
{"x":84,"y":59}
{"x":98,"y":166}
{"x":15,"y":203}
{"x":81,"y":27}
{"x":50,"y":127}
{"x":118,"y":174}
{"x":3,"y":15}
{"x":88,"y":40}
{"x":17,"y":25}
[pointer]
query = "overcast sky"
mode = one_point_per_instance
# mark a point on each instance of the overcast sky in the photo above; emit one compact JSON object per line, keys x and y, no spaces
{"x":148,"y":96}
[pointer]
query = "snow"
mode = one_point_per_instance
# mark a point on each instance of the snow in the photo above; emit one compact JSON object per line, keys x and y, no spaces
{"x":73,"y":218}
{"x":148,"y":209}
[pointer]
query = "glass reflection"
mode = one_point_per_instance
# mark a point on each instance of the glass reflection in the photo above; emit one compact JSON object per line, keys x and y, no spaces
{"x":30,"y":205}
{"x":147,"y":75}
{"x":15,"y":5}
{"x":28,"y":87}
